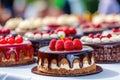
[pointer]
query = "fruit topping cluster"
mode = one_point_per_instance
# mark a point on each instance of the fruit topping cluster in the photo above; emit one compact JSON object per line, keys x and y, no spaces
{"x":98,"y":38}
{"x":90,"y":25}
{"x":11,"y":39}
{"x":4,"y":31}
{"x":65,"y":44}
{"x":68,"y":30}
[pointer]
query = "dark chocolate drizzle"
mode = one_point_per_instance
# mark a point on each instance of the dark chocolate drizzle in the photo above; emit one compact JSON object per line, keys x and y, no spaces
{"x":70,"y":56}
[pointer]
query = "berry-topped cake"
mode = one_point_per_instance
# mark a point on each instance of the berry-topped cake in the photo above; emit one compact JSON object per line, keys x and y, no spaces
{"x":114,"y":31}
{"x":15,"y":51}
{"x":42,"y":38}
{"x":69,"y":31}
{"x":66,"y":57}
{"x":106,"y":47}
{"x":109,"y":21}
{"x":91,"y":28}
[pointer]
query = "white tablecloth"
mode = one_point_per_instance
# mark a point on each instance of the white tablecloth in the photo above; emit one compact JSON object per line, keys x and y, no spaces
{"x":110,"y":72}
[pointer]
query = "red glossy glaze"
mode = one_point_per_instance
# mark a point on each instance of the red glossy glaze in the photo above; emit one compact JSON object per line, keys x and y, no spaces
{"x":25,"y":47}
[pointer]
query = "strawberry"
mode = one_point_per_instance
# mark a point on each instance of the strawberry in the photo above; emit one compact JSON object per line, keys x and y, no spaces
{"x":52,"y":44}
{"x":77,"y":44}
{"x":72,"y":31}
{"x":68,"y":45}
{"x":59,"y":45}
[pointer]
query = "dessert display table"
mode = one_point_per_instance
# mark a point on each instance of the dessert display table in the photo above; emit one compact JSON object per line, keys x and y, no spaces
{"x":110,"y":72}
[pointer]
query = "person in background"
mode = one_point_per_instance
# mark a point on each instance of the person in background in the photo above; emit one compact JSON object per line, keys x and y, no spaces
{"x":6,"y":10}
{"x":108,"y":7}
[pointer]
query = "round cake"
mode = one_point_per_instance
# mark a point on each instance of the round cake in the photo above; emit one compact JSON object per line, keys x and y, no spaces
{"x":15,"y":51}
{"x":88,"y":28}
{"x":42,"y":38}
{"x":106,"y":47}
{"x":68,"y":61}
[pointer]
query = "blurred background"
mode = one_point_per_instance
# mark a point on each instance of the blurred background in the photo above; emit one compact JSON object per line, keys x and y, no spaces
{"x":42,"y":8}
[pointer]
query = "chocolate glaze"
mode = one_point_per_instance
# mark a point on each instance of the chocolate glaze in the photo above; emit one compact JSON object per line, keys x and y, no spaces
{"x":106,"y":52}
{"x":7,"y":49}
{"x":46,"y":53}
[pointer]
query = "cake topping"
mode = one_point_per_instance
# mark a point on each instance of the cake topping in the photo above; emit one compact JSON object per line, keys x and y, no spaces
{"x":65,"y":44}
{"x":4,"y":31}
{"x":68,"y":45}
{"x":11,"y":39}
{"x":98,"y":38}
{"x":59,"y":46}
{"x":52,"y":44}
{"x":67,"y":30}
{"x":44,"y":34}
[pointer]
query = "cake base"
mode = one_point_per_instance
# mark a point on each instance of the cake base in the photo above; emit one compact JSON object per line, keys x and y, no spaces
{"x":34,"y":70}
{"x":10,"y":65}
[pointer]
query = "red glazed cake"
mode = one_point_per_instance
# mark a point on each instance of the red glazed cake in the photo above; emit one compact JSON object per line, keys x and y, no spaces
{"x":66,"y":57}
{"x":106,"y":47}
{"x":15,"y":51}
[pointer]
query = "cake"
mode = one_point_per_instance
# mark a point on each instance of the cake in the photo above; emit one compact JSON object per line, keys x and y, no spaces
{"x":28,"y":25}
{"x":66,"y":57}
{"x":42,"y":38}
{"x":13,"y":23}
{"x":106,"y":47}
{"x":15,"y":51}
{"x":91,"y":28}
{"x":114,"y":31}
{"x":109,"y":21}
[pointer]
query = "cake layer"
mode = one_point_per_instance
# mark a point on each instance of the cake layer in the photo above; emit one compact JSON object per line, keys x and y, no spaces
{"x":66,"y":62}
{"x":107,"y":52}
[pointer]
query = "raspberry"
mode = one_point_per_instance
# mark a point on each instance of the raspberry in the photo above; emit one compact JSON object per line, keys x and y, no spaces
{"x":109,"y":35}
{"x":65,"y":39}
{"x":115,"y":30}
{"x":102,"y":37}
{"x":91,"y":35}
{"x":72,"y":31}
{"x":97,"y":35}
{"x":77,"y":44}
{"x":52,"y":44}
{"x":68,"y":45}
{"x":59,"y":45}
{"x":66,"y":30}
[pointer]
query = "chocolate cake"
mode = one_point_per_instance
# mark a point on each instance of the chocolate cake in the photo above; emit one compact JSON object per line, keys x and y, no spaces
{"x":66,"y":62}
{"x":106,"y":48}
